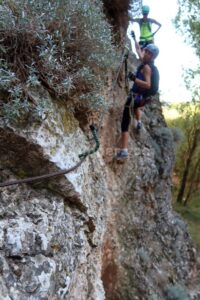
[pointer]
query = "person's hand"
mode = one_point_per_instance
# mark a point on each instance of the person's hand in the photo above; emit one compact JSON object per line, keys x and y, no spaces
{"x":131,"y":76}
{"x":133,"y":34}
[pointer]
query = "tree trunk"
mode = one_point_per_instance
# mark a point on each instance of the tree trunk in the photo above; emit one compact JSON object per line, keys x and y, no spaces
{"x":192,"y":182}
{"x":179,"y":198}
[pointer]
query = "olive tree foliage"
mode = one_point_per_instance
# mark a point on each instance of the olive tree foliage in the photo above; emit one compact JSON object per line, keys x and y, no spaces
{"x":188,"y":22}
{"x":64,"y":45}
{"x":135,"y":7}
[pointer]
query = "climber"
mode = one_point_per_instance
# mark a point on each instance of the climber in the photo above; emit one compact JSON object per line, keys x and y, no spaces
{"x":145,"y":23}
{"x":146,"y":82}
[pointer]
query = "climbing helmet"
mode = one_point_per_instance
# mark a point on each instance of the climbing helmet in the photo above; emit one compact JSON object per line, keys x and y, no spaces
{"x":145,"y":9}
{"x":153,"y":49}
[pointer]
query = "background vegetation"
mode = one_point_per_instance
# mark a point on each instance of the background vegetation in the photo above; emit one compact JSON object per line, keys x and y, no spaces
{"x":186,"y":191}
{"x":187,"y":168}
{"x":188,"y":22}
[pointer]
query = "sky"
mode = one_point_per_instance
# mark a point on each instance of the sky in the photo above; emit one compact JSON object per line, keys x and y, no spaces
{"x":174,"y":53}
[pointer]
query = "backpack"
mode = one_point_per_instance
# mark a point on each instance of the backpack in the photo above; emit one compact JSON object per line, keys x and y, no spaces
{"x":154,"y":80}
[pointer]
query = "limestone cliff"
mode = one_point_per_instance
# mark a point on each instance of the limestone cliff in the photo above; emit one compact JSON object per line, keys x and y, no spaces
{"x":103,"y":231}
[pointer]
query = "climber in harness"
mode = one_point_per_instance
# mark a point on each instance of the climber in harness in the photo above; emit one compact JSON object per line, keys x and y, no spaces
{"x":145,"y":23}
{"x":146,"y":83}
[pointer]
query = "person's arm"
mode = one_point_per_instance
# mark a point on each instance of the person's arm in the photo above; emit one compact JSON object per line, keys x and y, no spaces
{"x":139,"y":51}
{"x":137,"y":20}
{"x":146,"y":83}
{"x":137,"y":46}
{"x":156,"y":22}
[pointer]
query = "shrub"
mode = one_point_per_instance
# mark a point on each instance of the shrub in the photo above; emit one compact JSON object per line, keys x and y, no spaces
{"x":164,"y":135}
{"x":176,"y":292}
{"x":177,"y":134}
{"x":64,"y":45}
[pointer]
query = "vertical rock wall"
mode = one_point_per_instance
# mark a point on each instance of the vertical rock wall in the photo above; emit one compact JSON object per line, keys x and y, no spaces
{"x":148,"y":253}
{"x":51,"y":231}
{"x":103,"y":231}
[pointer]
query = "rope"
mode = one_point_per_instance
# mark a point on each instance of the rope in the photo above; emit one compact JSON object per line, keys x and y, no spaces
{"x":126,"y":72}
{"x":95,"y":137}
{"x":46,"y":176}
{"x":123,"y":59}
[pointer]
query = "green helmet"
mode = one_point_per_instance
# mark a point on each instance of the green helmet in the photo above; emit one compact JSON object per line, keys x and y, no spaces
{"x":145,"y":9}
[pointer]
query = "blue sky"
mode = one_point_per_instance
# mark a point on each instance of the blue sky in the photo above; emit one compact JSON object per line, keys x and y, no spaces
{"x":174,"y":53}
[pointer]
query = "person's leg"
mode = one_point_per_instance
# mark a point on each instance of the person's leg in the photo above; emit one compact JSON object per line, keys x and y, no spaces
{"x":138,"y":107}
{"x":126,"y":118}
{"x":124,"y":140}
{"x":124,"y":128}
{"x":138,"y":113}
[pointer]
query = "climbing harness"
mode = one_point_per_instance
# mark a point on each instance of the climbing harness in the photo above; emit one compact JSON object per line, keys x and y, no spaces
{"x":155,"y":31}
{"x":46,"y":176}
{"x":151,"y":35}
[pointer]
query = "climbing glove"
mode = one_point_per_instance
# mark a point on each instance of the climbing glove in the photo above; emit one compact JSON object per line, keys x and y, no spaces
{"x":131,"y":76}
{"x":133,"y":34}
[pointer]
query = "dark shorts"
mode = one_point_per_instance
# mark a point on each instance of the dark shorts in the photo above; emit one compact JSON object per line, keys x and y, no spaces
{"x":139,"y":101}
{"x":143,"y":44}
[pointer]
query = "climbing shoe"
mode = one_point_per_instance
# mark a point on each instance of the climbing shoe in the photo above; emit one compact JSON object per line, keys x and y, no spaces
{"x":121,"y":155}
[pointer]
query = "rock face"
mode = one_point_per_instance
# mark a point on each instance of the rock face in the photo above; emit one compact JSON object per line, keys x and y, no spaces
{"x":103,"y":231}
{"x":147,"y":251}
{"x":51,"y":231}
